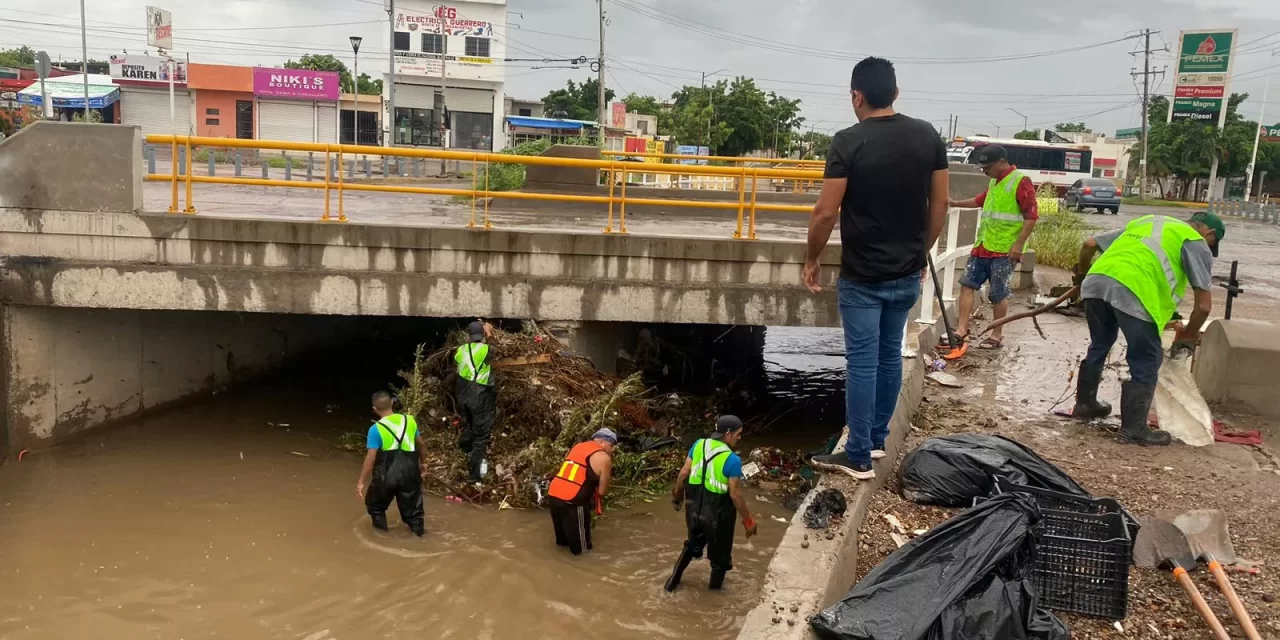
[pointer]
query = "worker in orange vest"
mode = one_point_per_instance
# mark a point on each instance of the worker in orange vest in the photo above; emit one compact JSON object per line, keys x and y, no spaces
{"x":580,"y":483}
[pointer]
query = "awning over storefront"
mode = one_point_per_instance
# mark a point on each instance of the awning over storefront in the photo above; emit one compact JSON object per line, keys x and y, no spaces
{"x":68,"y":92}
{"x":548,"y":123}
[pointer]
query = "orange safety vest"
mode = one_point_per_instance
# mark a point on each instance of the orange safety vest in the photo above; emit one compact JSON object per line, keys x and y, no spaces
{"x":573,"y":472}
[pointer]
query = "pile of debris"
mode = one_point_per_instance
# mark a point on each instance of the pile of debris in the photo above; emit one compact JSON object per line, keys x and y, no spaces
{"x":548,"y":400}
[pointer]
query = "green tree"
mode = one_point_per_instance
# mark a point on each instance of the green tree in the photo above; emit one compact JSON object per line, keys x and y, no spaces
{"x":1072,"y":127}
{"x":692,"y":119}
{"x":1027,"y":134}
{"x":785,"y":118}
{"x":327,"y":62}
{"x":1181,"y":153}
{"x":576,"y":101}
{"x":644,"y":105}
{"x":813,"y":144}
{"x":23,"y":56}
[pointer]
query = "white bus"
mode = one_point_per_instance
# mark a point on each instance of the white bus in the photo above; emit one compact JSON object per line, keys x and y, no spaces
{"x":1058,"y":164}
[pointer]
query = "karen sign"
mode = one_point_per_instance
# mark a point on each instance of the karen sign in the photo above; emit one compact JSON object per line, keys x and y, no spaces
{"x":297,"y":84}
{"x":150,"y":69}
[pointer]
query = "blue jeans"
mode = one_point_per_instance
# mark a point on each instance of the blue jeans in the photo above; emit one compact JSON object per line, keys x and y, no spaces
{"x":874,"y":317}
{"x":1145,"y":351}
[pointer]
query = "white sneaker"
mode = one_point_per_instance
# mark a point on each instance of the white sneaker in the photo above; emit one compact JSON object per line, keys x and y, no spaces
{"x":878,"y":454}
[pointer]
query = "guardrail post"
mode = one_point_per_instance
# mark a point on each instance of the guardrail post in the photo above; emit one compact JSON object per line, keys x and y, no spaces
{"x":351,"y":170}
{"x":235,"y":161}
{"x":751,"y":225}
{"x":622,"y":211}
{"x":265,"y":174}
{"x":338,"y":162}
{"x":949,"y":270}
{"x":173,"y":177}
{"x":288,"y":165}
{"x":311,"y":164}
{"x":926,"y":301}
{"x":182,"y":161}
{"x":742,"y":201}
{"x":613,"y":180}
{"x":190,"y":207}
{"x":367,"y":173}
{"x":212,"y":167}
{"x":150,"y":152}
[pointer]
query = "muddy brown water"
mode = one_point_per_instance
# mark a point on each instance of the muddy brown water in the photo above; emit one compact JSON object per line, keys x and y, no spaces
{"x":205,"y":522}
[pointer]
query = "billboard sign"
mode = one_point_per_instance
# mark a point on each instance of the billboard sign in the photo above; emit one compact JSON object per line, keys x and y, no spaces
{"x":1271,"y":133}
{"x":297,"y":84}
{"x":148,"y":69}
{"x":1128,"y":134}
{"x":1203,"y":76}
{"x":442,"y":17}
{"x":159,"y":28}
{"x":618,"y":115}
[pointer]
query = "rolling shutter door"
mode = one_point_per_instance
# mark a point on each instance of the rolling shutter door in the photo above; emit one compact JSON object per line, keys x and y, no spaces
{"x":327,"y":116}
{"x":418,"y":96}
{"x":287,"y":121}
{"x":149,"y":109}
{"x":472,"y":100}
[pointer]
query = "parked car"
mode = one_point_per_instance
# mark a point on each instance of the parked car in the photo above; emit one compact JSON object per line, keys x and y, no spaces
{"x":1093,"y":193}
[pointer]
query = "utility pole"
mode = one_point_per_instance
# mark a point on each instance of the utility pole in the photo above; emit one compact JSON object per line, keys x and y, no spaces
{"x":604,"y":108}
{"x":1024,"y":118}
{"x":444,"y":101}
{"x":1146,"y":74}
{"x":391,"y":76}
{"x":711,"y":103}
{"x":996,"y":126}
{"x":84,"y":65}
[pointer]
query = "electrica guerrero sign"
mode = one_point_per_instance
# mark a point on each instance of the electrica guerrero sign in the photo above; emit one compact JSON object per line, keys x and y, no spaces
{"x":1204,"y":73}
{"x":298,"y":84}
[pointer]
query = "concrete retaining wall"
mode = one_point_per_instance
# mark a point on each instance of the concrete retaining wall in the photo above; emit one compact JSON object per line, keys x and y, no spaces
{"x":67,"y":370}
{"x":128,"y":261}
{"x":72,"y":166}
{"x":1238,"y":363}
{"x":803,"y":581}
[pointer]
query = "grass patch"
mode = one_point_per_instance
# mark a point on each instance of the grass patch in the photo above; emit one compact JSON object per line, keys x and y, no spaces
{"x":279,"y":162}
{"x":1058,"y":237}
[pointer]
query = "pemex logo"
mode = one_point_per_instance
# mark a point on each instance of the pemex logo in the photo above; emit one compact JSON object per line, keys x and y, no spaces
{"x":1207,"y":47}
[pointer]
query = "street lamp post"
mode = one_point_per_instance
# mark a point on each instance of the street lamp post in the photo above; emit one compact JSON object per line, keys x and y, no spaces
{"x":1257,"y":136}
{"x":355,"y":87}
{"x":996,"y":126}
{"x":1024,"y":117}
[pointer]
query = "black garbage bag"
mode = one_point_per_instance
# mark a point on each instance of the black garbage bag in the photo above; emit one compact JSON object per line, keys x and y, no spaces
{"x":828,"y":503}
{"x":951,"y":471}
{"x":940,"y":585}
{"x":999,"y":610}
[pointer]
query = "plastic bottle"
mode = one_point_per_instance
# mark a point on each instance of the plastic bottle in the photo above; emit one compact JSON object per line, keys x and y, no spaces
{"x":484,"y":468}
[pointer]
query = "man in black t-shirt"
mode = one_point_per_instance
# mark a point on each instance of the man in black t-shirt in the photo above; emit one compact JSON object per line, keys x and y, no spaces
{"x":886,"y":181}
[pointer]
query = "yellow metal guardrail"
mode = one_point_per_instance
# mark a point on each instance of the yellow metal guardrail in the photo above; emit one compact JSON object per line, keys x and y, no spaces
{"x":746,"y":208}
{"x":726,"y":159}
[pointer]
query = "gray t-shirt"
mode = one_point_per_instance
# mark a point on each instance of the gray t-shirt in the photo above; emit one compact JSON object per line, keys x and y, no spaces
{"x":1197,"y":263}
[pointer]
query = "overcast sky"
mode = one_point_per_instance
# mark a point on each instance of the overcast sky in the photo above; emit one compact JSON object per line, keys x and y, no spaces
{"x":937,"y":45}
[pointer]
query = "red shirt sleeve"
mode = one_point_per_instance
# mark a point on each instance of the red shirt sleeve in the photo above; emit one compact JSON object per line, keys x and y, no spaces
{"x":1027,"y":200}
{"x":981,"y":198}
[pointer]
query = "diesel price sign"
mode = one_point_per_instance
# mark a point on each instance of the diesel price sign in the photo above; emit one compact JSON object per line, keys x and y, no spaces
{"x":1198,"y":109}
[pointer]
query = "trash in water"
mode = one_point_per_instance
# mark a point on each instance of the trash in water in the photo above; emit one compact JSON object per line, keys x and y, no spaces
{"x":962,"y":580}
{"x":945,"y":379}
{"x":750,"y":469}
{"x":299,"y":453}
{"x":828,"y":504}
{"x":776,"y":518}
{"x":951,"y":471}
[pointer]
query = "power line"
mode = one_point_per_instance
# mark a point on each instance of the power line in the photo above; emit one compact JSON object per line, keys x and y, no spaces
{"x":764,"y":43}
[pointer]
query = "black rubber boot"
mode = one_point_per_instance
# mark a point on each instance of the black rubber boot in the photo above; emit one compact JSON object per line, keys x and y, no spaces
{"x":1135,"y":406}
{"x":379,"y":521}
{"x":717,"y":578}
{"x":682,"y":563}
{"x":1088,"y":407}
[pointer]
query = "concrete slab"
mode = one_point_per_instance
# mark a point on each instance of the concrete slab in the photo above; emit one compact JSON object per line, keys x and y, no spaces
{"x":1238,"y":364}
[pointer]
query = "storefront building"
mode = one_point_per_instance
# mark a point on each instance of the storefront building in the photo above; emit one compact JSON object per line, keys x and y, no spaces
{"x":370,"y":124}
{"x":66,"y":93}
{"x":296,"y":105}
{"x":144,"y":93}
{"x":448,"y":61}
{"x":224,"y":100}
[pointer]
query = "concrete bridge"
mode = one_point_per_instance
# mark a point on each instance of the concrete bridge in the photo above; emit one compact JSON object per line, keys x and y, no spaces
{"x":113,"y":306}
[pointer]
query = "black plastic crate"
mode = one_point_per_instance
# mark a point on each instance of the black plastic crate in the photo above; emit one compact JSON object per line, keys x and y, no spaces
{"x":1082,"y":563}
{"x":1058,"y":501}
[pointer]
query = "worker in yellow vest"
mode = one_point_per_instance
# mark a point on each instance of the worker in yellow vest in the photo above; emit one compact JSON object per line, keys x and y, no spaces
{"x":1009,"y":214}
{"x":393,"y":466}
{"x":1134,"y":288}
{"x":477,"y":397}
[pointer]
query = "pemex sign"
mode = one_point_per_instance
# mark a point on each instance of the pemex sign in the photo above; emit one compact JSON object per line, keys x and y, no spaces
{"x":1270,"y":134}
{"x":1203,"y":75}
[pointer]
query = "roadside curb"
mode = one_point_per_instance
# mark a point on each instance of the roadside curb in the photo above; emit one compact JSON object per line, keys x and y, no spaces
{"x":801,"y":581}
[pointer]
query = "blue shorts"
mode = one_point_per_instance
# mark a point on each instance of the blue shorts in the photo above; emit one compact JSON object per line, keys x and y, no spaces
{"x":996,"y":271}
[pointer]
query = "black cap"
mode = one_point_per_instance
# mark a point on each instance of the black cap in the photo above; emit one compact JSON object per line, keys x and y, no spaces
{"x":476,"y":331}
{"x":728,"y":424}
{"x":991,"y":154}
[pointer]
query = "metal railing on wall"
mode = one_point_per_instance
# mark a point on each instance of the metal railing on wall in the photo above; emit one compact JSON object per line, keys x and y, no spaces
{"x":945,"y":256}
{"x":338,"y":164}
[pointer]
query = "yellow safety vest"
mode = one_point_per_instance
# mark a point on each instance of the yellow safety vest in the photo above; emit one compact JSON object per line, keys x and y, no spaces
{"x":1147,"y":260}
{"x":473,"y":365}
{"x":398,"y":428}
{"x":1001,"y":219}
{"x":709,"y":455}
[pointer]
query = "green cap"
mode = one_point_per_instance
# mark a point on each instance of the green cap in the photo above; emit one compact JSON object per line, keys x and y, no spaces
{"x":1213,"y":222}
